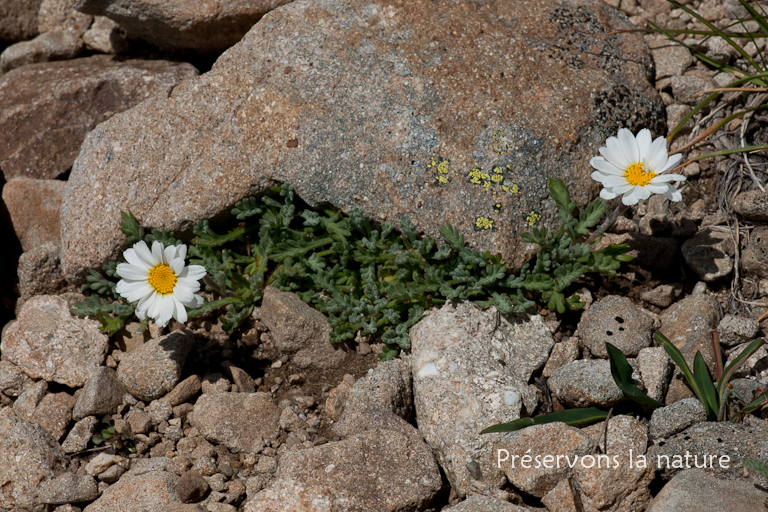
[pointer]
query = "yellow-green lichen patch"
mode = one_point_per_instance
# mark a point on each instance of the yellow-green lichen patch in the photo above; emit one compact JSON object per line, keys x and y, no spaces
{"x":484,"y":223}
{"x":532,"y":218}
{"x":494,"y":180}
{"x":500,"y":144}
{"x":497,"y":207}
{"x":441,"y":166}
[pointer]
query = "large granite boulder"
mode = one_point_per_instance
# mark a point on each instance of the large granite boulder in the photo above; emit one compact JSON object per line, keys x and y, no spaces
{"x":443,"y":112}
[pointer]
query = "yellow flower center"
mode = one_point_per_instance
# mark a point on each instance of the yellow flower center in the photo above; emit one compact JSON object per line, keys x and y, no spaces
{"x":637,"y":175}
{"x":162,"y":279}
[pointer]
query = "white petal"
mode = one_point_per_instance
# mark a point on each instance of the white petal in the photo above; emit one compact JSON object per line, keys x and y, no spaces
{"x":183,"y":293}
{"x":133,"y":291}
{"x":630,"y":198}
{"x":177,"y":265}
{"x":629,"y":145}
{"x":614,"y":181}
{"x":643,"y":142}
{"x":181,"y":251}
{"x":654,"y":188}
{"x":169,"y":253}
{"x":179,"y":311}
{"x":623,"y":188}
{"x":614,"y":156}
{"x":163,"y":310}
{"x":134,"y":259}
{"x":157,"y":252}
{"x":196,"y":302}
{"x":607,"y":194}
{"x":673,"y":194}
{"x":672,"y":162}
{"x":642,"y":192}
{"x":657,"y":156}
{"x":143,"y":252}
{"x":665,"y":178}
{"x":194,"y":272}
{"x":144,"y":304}
{"x":133,"y":272}
{"x":604,"y":166}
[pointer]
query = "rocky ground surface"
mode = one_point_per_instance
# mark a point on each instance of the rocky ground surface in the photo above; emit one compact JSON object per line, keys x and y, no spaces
{"x":275,"y":418}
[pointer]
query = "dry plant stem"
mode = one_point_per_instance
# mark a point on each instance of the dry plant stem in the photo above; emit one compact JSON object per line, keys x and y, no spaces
{"x":721,"y":412}
{"x":608,"y":222}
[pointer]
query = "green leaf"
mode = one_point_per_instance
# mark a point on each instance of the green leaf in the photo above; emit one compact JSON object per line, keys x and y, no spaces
{"x":757,"y":403}
{"x":452,"y":235}
{"x":561,"y":195}
{"x":701,"y":374}
{"x":131,"y":228}
{"x":745,"y":354}
{"x":572,"y":417}
{"x":759,"y":467}
{"x":679,"y":360}
{"x":621,"y":371}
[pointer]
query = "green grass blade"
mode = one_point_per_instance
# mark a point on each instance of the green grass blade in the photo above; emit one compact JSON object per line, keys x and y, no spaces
{"x":736,"y":363}
{"x":679,"y":360}
{"x":757,"y":403}
{"x":701,"y":374}
{"x":760,"y":19}
{"x":572,"y":417}
{"x":622,"y":375}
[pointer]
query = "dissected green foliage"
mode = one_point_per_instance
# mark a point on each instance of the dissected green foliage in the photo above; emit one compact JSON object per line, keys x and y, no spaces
{"x":367,"y":279}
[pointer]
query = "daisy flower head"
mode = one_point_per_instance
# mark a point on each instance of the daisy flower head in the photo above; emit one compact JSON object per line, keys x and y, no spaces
{"x":634,"y":167}
{"x":160,"y":281}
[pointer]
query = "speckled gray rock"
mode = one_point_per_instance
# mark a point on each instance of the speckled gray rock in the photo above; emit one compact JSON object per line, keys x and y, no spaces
{"x":734,"y":330}
{"x":57,"y":44}
{"x":463,"y":360}
{"x":40,"y":272}
{"x":388,"y":384}
{"x":13,"y":380}
{"x":34,"y":209}
{"x":47,"y":109}
{"x":548,"y":439}
{"x":480,"y":503}
{"x":299,"y":330}
{"x":47,"y":342}
{"x":616,"y":320}
{"x":175,"y":25}
{"x":80,"y":435}
{"x":655,"y":369}
{"x":684,"y":88}
{"x":236,"y":420}
{"x":585,"y":383}
{"x":755,"y":254}
{"x":361,"y":415}
{"x":28,"y":454}
{"x":735,"y":441}
{"x":709,"y":253}
{"x":670,"y":59}
{"x":325,"y":96}
{"x":563,"y":353}
{"x":618,"y":485}
{"x":687,"y":325}
{"x":152,"y":370}
{"x":155,"y":490}
{"x":695,"y":490}
{"x":376,"y":471}
{"x":674,"y":418}
{"x":102,"y":393}
{"x":24,"y":406}
{"x":752,"y":204}
{"x":663,"y":295}
{"x":68,"y":488}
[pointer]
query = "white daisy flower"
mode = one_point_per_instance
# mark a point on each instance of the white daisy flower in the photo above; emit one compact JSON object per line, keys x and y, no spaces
{"x":633,"y":168}
{"x":160,"y":281}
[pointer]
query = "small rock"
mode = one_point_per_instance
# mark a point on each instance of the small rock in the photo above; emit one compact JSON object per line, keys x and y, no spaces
{"x":40,"y":272}
{"x":34,"y":209}
{"x":670,"y":59}
{"x":80,"y":435}
{"x":616,"y":320}
{"x":480,"y":503}
{"x":55,"y":14}
{"x":755,"y":254}
{"x":655,"y":369}
{"x":687,"y":325}
{"x":734,"y":330}
{"x":154,"y":369}
{"x":159,"y":411}
{"x":242,"y":380}
{"x":155,"y":490}
{"x":192,"y":487}
{"x":28,"y":455}
{"x":236,"y":419}
{"x":561,"y":498}
{"x":299,"y":330}
{"x":337,"y":399}
{"x":695,"y":490}
{"x":709,"y":253}
{"x":686,"y":87}
{"x":389,"y":384}
{"x":215,"y":383}
{"x":139,"y":421}
{"x":112,"y":474}
{"x":68,"y":488}
{"x":585,"y":383}
{"x":290,"y":421}
{"x":57,"y":44}
{"x":184,"y":390}
{"x":102,"y":462}
{"x":352,"y":473}
{"x":102,"y":393}
{"x":13,"y":381}
{"x":47,"y":342}
{"x":674,"y":418}
{"x":663,"y":295}
{"x":26,"y":403}
{"x":105,"y":36}
{"x":53,"y":413}
{"x":563,"y":353}
{"x":548,"y":439}
{"x":752,"y":205}
{"x":361,"y":415}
